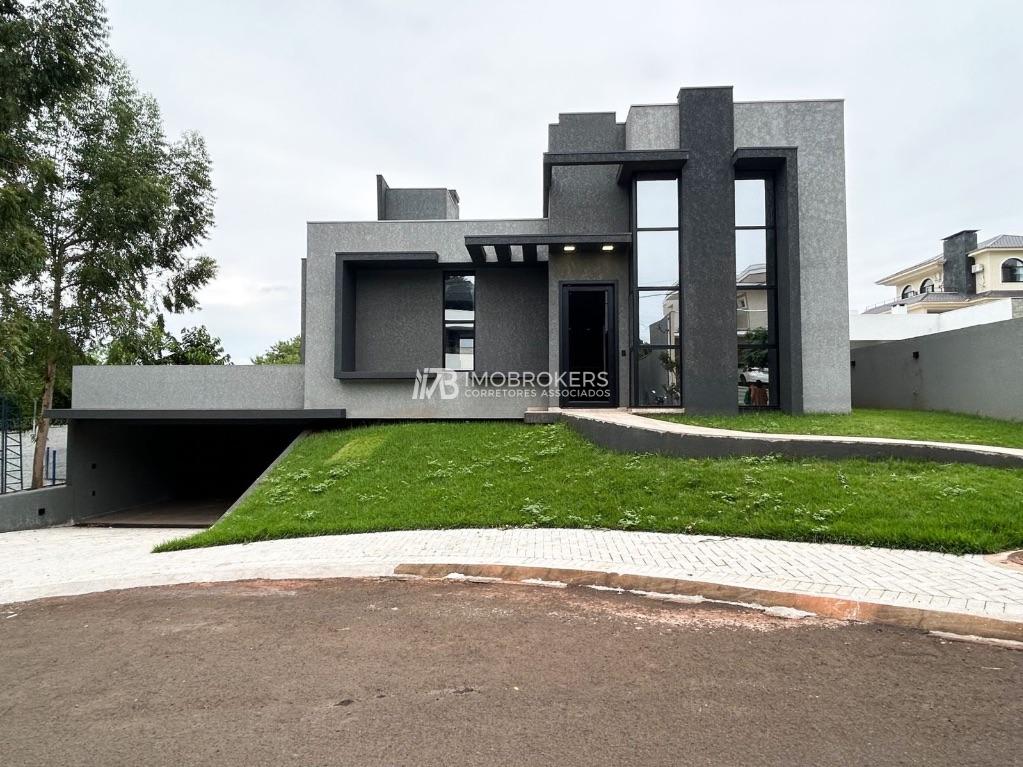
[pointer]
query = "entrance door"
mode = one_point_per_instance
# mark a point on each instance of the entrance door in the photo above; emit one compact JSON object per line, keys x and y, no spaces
{"x":589,"y":346}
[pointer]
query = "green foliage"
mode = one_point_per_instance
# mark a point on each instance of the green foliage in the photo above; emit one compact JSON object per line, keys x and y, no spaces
{"x":286,"y":352}
{"x":753,"y":358}
{"x":100,"y":214}
{"x":446,"y":475}
{"x":154,"y":345}
{"x":863,"y":422}
{"x":49,"y":51}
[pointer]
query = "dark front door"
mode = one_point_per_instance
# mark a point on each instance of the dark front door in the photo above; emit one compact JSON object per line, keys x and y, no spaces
{"x":588,"y":346}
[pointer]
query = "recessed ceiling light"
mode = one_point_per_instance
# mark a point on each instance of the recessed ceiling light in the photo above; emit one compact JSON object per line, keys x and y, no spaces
{"x":607,"y":248}
{"x":569,"y":248}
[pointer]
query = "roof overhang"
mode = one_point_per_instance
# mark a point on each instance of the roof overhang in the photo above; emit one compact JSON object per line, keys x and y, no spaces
{"x":290,"y":415}
{"x":629,"y":162}
{"x":917,"y":270}
{"x":502,"y":245}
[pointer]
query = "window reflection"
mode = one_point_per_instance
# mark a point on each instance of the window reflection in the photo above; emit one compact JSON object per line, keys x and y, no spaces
{"x":658,"y":316}
{"x":750,"y":202}
{"x":657,"y":382}
{"x":459,"y":320}
{"x":657,"y":203}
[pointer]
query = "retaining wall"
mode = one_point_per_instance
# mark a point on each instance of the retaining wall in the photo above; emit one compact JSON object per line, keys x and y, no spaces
{"x":977,"y":370}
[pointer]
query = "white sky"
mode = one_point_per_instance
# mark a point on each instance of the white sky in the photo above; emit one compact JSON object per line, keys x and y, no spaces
{"x":302,"y":103}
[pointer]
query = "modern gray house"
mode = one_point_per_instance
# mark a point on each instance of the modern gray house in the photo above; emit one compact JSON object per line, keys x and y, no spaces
{"x":692,"y":256}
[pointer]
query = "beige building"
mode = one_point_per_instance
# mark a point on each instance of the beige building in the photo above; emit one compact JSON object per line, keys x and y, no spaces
{"x":966,"y":273}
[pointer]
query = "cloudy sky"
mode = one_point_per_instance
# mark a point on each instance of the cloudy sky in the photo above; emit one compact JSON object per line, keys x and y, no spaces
{"x":302,"y":103}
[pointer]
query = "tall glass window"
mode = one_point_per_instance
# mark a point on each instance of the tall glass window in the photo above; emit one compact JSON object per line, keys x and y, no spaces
{"x":655,"y":293}
{"x":459,"y":320}
{"x":756,"y":293}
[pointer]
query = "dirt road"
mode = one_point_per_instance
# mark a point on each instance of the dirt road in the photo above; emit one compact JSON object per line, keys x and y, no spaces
{"x":419,"y":673}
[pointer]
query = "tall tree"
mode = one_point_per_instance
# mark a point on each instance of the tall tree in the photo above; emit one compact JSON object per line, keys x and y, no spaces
{"x":119,"y":223}
{"x":286,"y":352}
{"x":49,"y":51}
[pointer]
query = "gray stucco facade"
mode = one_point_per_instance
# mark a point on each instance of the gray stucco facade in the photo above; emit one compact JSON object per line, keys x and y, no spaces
{"x":373,"y":292}
{"x":422,"y":291}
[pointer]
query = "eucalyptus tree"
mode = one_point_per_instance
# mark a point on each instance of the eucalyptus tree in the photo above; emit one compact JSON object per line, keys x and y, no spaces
{"x":50,"y":50}
{"x":120,"y":218}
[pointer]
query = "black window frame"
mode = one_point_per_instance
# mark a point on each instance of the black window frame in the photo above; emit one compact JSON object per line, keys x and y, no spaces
{"x":636,"y":346}
{"x":769,"y":288}
{"x":927,"y":286}
{"x":445,"y":322}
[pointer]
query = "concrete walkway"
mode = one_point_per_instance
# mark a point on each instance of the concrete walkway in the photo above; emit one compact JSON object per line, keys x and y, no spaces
{"x":66,"y":561}
{"x":624,"y":431}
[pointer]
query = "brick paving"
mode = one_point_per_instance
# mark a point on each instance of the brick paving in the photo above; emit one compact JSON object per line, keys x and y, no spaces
{"x":67,"y":560}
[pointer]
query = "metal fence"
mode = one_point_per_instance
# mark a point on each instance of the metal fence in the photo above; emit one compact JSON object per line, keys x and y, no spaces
{"x":17,"y":449}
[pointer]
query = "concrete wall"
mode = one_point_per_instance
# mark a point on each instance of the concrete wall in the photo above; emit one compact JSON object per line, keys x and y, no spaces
{"x":587,"y":199}
{"x":397,"y":319}
{"x":707,"y":214}
{"x":652,"y":126}
{"x":865,"y":329}
{"x":973,"y":370}
{"x":188,"y":387}
{"x":817,"y":129}
{"x":419,"y":204}
{"x":393,"y":399}
{"x":33,"y":509}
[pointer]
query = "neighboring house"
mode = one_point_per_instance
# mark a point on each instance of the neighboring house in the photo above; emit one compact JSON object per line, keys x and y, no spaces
{"x":691,"y":256}
{"x":966,"y":273}
{"x":950,"y":338}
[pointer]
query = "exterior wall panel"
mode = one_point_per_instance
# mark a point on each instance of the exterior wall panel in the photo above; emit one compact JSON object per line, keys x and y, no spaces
{"x":816,"y":128}
{"x":188,"y":387}
{"x":590,"y":267}
{"x":391,"y":399}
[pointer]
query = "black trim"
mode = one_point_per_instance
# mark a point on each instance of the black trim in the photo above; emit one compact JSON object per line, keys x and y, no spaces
{"x":635,"y":289}
{"x":780,"y":165}
{"x":378,"y":375}
{"x":297,"y":415}
{"x":502,"y":244}
{"x":611,"y":288}
{"x":769,"y":288}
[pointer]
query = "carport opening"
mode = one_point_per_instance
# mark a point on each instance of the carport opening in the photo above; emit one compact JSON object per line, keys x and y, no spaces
{"x":168,"y":474}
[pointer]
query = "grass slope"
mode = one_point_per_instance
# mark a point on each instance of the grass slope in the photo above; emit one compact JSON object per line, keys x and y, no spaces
{"x":897,"y":424}
{"x":450,"y":475}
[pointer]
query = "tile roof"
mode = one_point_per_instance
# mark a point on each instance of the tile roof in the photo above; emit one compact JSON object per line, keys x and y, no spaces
{"x":1002,"y":241}
{"x":1014,"y":241}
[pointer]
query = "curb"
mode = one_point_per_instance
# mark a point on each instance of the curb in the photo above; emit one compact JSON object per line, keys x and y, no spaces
{"x":825,"y":607}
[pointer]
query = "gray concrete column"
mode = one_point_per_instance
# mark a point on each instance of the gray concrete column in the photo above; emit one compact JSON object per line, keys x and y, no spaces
{"x":707,"y":215}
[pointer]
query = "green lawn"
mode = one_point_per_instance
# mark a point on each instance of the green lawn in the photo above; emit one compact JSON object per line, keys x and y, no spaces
{"x":448,"y":475}
{"x":899,"y":424}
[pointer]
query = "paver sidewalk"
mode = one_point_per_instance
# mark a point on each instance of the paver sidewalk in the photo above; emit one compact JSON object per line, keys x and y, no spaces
{"x":67,"y":560}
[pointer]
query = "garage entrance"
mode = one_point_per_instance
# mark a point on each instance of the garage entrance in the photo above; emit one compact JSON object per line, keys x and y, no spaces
{"x":167,"y":473}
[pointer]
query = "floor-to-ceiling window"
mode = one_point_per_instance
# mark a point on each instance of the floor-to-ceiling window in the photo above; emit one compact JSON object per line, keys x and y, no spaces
{"x":756,"y":293}
{"x":655,"y":293}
